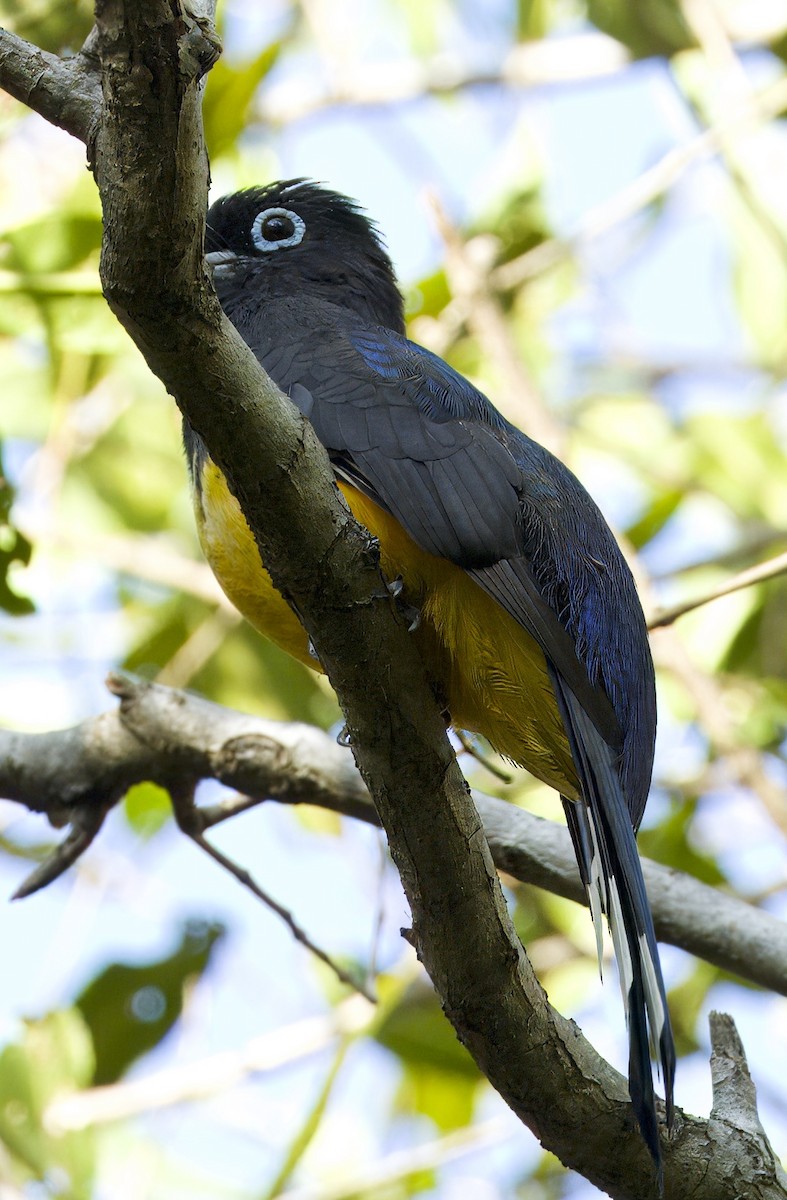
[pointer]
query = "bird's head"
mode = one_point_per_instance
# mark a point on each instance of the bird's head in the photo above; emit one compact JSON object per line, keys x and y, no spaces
{"x":296,"y":236}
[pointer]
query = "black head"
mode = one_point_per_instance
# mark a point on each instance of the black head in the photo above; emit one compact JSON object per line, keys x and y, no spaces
{"x":297,"y":236}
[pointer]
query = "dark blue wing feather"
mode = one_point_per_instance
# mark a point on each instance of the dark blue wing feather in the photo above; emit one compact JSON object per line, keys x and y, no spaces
{"x":423,"y":443}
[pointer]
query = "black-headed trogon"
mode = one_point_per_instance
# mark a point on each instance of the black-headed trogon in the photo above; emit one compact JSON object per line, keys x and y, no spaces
{"x":530,"y":625}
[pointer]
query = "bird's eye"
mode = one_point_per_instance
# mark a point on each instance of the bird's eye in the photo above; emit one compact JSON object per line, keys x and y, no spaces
{"x":277,"y":228}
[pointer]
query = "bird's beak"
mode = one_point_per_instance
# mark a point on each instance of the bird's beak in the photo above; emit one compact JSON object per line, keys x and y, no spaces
{"x":220,"y":261}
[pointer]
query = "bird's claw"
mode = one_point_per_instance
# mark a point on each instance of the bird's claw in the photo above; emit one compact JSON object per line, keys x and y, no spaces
{"x":409,"y":612}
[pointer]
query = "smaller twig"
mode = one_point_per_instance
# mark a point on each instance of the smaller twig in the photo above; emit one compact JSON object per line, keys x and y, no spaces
{"x":470,"y":748}
{"x":85,"y":825}
{"x":734,"y":1094}
{"x":189,"y":819}
{"x":160,"y":734}
{"x":229,"y":806}
{"x":767,"y":570}
{"x":468,"y":267}
{"x":540,"y":63}
{"x":634,"y":197}
{"x":246,"y":879}
{"x":66,"y":92}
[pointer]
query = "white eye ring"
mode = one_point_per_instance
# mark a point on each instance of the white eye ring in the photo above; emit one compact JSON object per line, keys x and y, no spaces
{"x":267,"y":244}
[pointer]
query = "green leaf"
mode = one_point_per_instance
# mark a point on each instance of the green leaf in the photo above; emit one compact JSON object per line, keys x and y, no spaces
{"x":418,"y":1032}
{"x":533,"y":18}
{"x":429,"y":296}
{"x":669,"y":842}
{"x":519,"y":222}
{"x":760,"y":277}
{"x":129,"y":1008}
{"x":147,"y":807}
{"x":758,"y":649}
{"x":53,"y":1056}
{"x":53,"y":25}
{"x":228,"y":96}
{"x":663,"y":506}
{"x":448,"y":1098}
{"x":14,"y":548}
{"x":646,"y":27}
{"x":58,"y":242}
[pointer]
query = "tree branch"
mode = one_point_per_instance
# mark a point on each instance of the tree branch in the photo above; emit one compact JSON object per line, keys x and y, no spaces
{"x":735,"y":1108}
{"x":149,"y":162}
{"x":744,"y":579}
{"x":67,"y":92}
{"x":634,"y":197}
{"x":549,"y":61}
{"x":158,"y":735}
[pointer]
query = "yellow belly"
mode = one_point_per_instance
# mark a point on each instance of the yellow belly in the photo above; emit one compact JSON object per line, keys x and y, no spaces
{"x":491,"y":673}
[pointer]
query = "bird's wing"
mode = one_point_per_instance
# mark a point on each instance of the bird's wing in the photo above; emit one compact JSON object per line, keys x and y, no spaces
{"x":420,"y":441}
{"x":416,"y":437}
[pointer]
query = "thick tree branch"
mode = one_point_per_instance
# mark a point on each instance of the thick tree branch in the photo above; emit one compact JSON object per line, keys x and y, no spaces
{"x":159,"y":735}
{"x":149,"y":163}
{"x":67,"y":92}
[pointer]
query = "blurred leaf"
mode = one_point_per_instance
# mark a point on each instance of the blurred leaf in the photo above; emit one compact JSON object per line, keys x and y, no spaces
{"x":686,"y":1002}
{"x":532,"y":18}
{"x":760,"y":276}
{"x":253,"y":675}
{"x":446,"y":1097}
{"x":646,"y":27}
{"x":130,"y":1008}
{"x":419,"y":1033}
{"x":147,"y":807}
{"x":663,"y":506}
{"x":759,"y":649}
{"x":739,"y":459}
{"x":669,"y":843}
{"x":429,"y":296}
{"x":228,"y":95}
{"x":56,"y":242}
{"x":310,"y":1126}
{"x":52,"y":1057}
{"x":519,"y":223}
{"x":53,"y":25}
{"x":528,"y":915}
{"x":14,"y":548}
{"x":424,"y":23}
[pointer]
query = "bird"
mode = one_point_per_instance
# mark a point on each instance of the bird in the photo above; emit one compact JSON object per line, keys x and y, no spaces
{"x":529,"y":622}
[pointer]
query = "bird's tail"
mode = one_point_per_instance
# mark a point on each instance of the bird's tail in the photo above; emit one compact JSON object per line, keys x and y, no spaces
{"x":606,"y":851}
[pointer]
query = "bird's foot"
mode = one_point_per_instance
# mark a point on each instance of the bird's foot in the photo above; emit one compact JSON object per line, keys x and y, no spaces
{"x":410,"y":614}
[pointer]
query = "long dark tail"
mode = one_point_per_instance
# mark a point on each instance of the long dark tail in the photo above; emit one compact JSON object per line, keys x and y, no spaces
{"x":609,"y":864}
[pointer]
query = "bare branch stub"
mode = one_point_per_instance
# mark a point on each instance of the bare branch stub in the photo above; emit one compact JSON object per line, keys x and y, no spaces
{"x":755,"y":1170}
{"x":86,"y":823}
